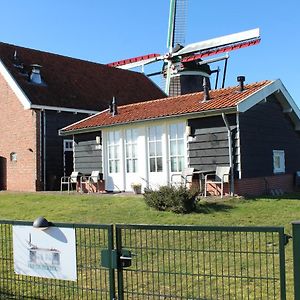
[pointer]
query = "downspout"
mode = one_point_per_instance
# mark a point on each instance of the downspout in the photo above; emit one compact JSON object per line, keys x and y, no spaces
{"x":44,"y":149}
{"x":41,"y":148}
{"x":230,"y":154}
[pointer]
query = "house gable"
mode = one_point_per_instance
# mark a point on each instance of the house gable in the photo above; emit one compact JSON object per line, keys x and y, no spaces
{"x":263,"y":128}
{"x":14,"y":86}
{"x":282,"y":95}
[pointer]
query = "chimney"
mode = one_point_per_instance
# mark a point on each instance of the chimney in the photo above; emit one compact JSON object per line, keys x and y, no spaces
{"x":113,"y":109}
{"x":205,"y":89}
{"x":35,"y":75}
{"x":241,"y":80}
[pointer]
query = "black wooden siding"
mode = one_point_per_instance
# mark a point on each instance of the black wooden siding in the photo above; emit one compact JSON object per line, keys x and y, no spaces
{"x":265,"y":128}
{"x":54,"y":145}
{"x":209,"y":145}
{"x":87,"y":153}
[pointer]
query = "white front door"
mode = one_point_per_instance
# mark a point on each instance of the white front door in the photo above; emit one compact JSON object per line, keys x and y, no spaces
{"x":177,"y":150}
{"x":132,"y":157}
{"x":115,"y":179}
{"x":157,"y":163}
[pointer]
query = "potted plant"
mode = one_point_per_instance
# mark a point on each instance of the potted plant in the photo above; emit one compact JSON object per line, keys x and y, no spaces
{"x":136,"y":187}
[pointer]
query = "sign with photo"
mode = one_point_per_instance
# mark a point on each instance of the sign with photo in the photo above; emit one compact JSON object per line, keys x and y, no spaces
{"x":49,"y":253}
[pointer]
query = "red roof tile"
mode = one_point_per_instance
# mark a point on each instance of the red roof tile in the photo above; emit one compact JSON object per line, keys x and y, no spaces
{"x":75,"y":83}
{"x":172,"y":106}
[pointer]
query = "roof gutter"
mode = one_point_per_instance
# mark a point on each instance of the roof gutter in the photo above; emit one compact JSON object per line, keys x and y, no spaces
{"x":64,"y":109}
{"x":193,"y":115}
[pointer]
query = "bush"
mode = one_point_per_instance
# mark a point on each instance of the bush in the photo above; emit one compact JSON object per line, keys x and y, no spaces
{"x":170,"y":198}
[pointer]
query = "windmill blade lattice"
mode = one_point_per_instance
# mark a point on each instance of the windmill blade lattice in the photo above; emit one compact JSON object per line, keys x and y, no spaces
{"x":177,"y":23}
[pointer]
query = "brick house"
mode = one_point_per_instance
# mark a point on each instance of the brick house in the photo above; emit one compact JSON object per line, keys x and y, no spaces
{"x":254,"y":128}
{"x":41,"y":92}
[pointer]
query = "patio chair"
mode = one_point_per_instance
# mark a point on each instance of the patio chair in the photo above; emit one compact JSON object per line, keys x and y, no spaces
{"x":184,"y":178}
{"x":69,"y":181}
{"x":220,"y":177}
{"x":94,"y":178}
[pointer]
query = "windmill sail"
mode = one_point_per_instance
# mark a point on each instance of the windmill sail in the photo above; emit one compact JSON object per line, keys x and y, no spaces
{"x":183,"y":66}
{"x":177,"y":23}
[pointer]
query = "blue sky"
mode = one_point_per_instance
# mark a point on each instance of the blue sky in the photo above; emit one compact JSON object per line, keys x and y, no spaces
{"x":106,"y":31}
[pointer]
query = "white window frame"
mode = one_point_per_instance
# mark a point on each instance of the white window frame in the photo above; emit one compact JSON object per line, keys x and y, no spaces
{"x":176,"y":140}
{"x":114,"y":163}
{"x":68,"y":145}
{"x":157,"y":140}
{"x":131,"y":155}
{"x":278,"y":155}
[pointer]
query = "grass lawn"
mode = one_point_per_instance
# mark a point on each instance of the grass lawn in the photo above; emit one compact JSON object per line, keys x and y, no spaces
{"x":107,"y":209}
{"x":131,"y":209}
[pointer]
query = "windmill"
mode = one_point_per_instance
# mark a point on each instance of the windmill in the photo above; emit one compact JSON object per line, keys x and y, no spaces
{"x":184,"y":67}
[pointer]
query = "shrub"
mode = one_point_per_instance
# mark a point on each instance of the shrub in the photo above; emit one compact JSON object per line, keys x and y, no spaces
{"x":170,"y":198}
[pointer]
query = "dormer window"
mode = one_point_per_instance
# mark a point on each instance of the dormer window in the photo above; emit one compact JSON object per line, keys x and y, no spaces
{"x":35,"y":75}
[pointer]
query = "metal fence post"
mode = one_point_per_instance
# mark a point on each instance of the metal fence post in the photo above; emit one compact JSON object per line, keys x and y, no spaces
{"x":296,"y":255}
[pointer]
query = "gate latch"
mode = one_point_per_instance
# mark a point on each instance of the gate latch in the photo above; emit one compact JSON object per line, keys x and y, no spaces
{"x":113,"y":260}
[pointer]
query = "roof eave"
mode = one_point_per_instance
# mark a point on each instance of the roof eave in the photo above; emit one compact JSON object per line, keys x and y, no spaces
{"x":192,"y":115}
{"x":64,"y":109}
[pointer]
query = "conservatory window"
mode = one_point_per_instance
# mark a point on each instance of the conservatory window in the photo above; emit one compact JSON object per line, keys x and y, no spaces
{"x":176,"y":140}
{"x":114,"y":151}
{"x":155,"y":148}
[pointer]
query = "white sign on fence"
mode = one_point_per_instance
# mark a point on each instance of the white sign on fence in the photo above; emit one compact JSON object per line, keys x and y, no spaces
{"x":49,"y":253}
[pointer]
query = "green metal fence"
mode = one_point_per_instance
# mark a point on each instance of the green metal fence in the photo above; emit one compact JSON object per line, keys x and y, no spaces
{"x":159,"y":262}
{"x":191,"y":262}
{"x":93,"y":281}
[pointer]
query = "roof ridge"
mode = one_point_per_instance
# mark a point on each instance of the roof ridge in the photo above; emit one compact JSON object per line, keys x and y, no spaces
{"x":69,"y":57}
{"x":190,"y":94}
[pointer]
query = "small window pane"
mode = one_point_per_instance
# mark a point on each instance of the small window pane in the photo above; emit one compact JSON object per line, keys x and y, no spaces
{"x":173,"y":164}
{"x":152,"y":134}
{"x":129,"y":165}
{"x":158,"y":132}
{"x":135,"y":165}
{"x":135,"y":135}
{"x":173,"y":131}
{"x":111,"y":166}
{"x":180,"y":147}
{"x":173,"y":148}
{"x":152,"y":149}
{"x":110,"y":152}
{"x":159,"y":164}
{"x":128,"y":136}
{"x":180,"y":130}
{"x":180,"y":164}
{"x":128,"y":150}
{"x":152,"y":165}
{"x":117,"y":149}
{"x":158,"y":149}
{"x":117,"y":166}
{"x":134,"y":150}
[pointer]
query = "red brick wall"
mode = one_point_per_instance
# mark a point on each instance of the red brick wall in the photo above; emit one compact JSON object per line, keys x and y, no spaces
{"x":257,"y":186}
{"x":263,"y":185}
{"x":18,"y":128}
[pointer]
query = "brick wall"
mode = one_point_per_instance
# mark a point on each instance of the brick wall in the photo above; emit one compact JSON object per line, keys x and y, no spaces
{"x":18,"y":128}
{"x":257,"y":186}
{"x":264,"y":185}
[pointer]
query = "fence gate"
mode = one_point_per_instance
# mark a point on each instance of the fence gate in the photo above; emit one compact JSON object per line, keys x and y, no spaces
{"x":93,"y":280}
{"x":192,"y":262}
{"x":159,"y":262}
